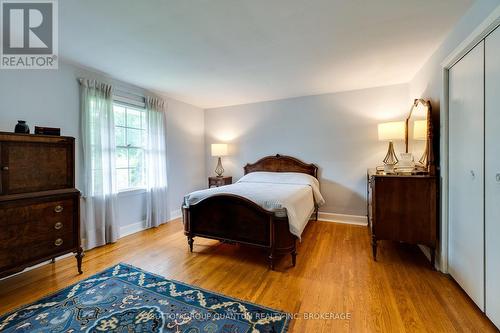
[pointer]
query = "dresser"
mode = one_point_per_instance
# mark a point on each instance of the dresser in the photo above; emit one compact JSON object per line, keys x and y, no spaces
{"x":402,"y":208}
{"x":39,"y":205}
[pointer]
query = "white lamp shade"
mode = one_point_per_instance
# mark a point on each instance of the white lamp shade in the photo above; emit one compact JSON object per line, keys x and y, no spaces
{"x":420,"y":130}
{"x":394,"y":130}
{"x":219,"y":149}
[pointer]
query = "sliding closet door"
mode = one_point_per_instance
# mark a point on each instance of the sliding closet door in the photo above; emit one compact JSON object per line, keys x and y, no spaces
{"x":466,"y":173}
{"x":492,"y":173}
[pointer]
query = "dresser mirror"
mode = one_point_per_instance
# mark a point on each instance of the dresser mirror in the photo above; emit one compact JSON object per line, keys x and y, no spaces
{"x":418,"y":137}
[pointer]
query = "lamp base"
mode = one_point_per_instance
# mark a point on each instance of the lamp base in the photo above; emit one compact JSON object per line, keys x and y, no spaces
{"x":391,"y":157}
{"x":219,"y":170}
{"x":389,"y":168}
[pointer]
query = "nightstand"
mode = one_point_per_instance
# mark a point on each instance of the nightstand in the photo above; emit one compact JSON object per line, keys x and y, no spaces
{"x":219,"y":181}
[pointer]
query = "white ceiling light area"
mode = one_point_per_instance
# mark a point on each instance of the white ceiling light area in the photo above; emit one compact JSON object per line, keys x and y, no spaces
{"x":213,"y":53}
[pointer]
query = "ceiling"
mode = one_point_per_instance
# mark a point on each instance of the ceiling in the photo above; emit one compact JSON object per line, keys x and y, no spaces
{"x":213,"y":53}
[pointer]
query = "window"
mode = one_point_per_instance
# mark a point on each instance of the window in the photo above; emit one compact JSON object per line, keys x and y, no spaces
{"x":130,"y":132}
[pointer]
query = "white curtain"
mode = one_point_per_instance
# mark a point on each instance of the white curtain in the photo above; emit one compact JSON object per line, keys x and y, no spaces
{"x":98,"y":140}
{"x":156,"y":163}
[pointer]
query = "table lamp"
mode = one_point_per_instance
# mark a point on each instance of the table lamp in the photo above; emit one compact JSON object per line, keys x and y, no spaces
{"x":388,"y":132}
{"x":219,"y":150}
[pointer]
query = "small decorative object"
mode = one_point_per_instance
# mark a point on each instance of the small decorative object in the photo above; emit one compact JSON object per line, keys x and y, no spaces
{"x":406,"y":163}
{"x":219,"y":150}
{"x":47,"y":131}
{"x":22,"y":127}
{"x":388,"y":132}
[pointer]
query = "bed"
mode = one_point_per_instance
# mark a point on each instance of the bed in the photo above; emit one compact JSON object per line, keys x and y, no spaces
{"x":267,"y":208}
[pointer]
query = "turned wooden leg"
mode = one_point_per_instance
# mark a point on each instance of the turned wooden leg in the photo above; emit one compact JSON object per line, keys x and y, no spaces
{"x":190,"y":242}
{"x":271,"y":261}
{"x":79,"y":257}
{"x":294,"y":257}
{"x":53,"y":260}
{"x":374,"y":247}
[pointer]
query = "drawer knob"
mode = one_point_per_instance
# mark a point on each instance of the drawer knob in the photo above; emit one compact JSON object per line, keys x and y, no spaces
{"x":58,"y":225}
{"x":58,"y":209}
{"x":5,"y":168}
{"x":58,"y":242}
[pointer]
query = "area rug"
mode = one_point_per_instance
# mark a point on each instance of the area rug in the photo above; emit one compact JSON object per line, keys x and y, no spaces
{"x":124,"y":298}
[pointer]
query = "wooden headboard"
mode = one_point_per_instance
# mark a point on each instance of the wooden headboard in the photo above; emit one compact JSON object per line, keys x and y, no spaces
{"x":280,"y":163}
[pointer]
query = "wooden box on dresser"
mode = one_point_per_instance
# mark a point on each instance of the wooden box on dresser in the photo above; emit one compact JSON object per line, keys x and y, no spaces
{"x":39,"y":205}
{"x":403,"y":208}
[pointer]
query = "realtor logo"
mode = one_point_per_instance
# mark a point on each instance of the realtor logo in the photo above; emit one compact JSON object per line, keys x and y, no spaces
{"x":28,"y":34}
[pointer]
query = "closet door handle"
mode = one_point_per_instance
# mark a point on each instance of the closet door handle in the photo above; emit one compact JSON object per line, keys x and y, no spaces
{"x":473,"y":174}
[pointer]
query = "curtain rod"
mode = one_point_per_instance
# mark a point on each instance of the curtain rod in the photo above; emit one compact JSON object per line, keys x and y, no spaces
{"x":117,"y":88}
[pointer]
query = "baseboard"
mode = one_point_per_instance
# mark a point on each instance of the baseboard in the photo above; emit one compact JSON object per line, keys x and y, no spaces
{"x":343,"y":218}
{"x":132,"y":228}
{"x":140,"y":226}
{"x":175,"y":214}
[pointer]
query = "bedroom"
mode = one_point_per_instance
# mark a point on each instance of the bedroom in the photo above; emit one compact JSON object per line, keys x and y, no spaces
{"x":335,"y":210}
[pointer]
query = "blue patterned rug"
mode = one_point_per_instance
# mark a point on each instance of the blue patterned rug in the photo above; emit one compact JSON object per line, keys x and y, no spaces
{"x":127,"y":299}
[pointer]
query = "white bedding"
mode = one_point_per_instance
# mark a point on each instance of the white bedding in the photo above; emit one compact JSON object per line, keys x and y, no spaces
{"x":284,"y":193}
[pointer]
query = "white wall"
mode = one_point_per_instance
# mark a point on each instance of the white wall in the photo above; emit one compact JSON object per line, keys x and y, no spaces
{"x":186,"y":155}
{"x":337,"y":132}
{"x":51,"y":98}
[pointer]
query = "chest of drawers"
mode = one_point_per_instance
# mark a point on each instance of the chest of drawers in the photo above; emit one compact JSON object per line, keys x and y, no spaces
{"x":39,"y":206}
{"x":403,"y":209}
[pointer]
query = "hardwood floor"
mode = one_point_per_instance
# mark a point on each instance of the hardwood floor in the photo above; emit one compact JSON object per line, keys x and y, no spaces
{"x":334,"y":274}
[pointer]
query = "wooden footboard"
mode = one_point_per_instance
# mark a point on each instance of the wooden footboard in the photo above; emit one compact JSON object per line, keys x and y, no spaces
{"x":236,"y":219}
